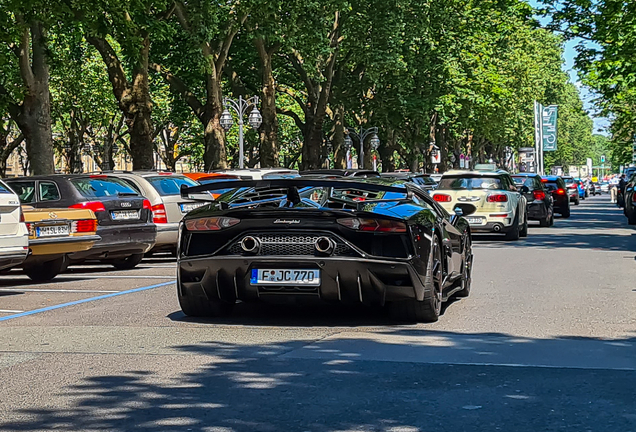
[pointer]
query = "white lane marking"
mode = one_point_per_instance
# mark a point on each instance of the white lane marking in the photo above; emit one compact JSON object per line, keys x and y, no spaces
{"x":53,"y":290}
{"x":10,"y":311}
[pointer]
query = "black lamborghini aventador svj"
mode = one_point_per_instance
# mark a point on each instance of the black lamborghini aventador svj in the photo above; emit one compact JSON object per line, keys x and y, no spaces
{"x":372,"y":241}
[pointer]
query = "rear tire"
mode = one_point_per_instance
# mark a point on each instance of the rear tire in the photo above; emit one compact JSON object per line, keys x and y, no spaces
{"x":429,"y":309}
{"x":631,"y":219}
{"x":566,"y":213}
{"x":577,"y":201}
{"x":523,"y":232}
{"x":128,"y":262}
{"x":513,"y":234}
{"x":44,"y":272}
{"x":467,"y":273}
{"x":195,"y":306}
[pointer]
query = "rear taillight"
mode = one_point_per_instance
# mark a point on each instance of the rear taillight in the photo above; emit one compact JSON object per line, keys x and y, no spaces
{"x":31,"y":229}
{"x":572,"y":186}
{"x":211,"y":223}
{"x":373,"y":225}
{"x":147,"y":205}
{"x":442,"y":198}
{"x":560,"y":191}
{"x":22,"y":215}
{"x":159,"y":213}
{"x":497,"y":198}
{"x":84,"y":226}
{"x":96,"y":206}
{"x":538,"y":195}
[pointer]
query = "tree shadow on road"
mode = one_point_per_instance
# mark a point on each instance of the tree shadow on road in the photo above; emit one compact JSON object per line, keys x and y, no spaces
{"x":396,"y":379}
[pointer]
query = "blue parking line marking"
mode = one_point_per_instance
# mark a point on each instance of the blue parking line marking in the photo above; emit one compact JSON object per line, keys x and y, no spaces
{"x":49,"y":308}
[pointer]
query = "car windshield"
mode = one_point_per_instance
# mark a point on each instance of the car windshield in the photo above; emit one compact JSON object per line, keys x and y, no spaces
{"x":102,"y":187}
{"x":170,"y":185}
{"x":470,"y":183}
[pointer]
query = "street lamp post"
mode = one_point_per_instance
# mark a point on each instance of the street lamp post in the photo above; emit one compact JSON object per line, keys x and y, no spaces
{"x":240,"y":107}
{"x":362,"y":136}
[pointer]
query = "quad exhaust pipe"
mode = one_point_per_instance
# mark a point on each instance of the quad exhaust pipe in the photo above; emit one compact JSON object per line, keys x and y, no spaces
{"x":251,"y":245}
{"x":325,"y":245}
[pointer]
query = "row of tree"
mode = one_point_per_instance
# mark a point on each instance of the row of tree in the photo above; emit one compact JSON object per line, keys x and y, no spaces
{"x":150,"y":76}
{"x":607,"y":36}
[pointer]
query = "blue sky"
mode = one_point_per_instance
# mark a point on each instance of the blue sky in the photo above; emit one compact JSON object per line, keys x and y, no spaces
{"x":600,"y":123}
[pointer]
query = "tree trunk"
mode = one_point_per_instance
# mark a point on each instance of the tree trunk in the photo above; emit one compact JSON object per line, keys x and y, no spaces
{"x":312,"y":144}
{"x":33,"y":116}
{"x":269,"y":129}
{"x":215,"y":153}
{"x":7,"y":147}
{"x":337,"y":140}
{"x":139,"y":113}
{"x":133,"y":99}
{"x":387,"y":150}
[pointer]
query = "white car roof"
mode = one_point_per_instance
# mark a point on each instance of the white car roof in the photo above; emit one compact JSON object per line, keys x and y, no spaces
{"x":473,"y":173}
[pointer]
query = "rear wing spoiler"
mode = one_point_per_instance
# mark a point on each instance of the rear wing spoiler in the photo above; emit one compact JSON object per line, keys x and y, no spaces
{"x":292,"y":185}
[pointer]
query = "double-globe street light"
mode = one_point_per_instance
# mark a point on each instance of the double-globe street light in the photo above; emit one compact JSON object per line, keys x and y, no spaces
{"x":362,"y":136}
{"x":240,"y":107}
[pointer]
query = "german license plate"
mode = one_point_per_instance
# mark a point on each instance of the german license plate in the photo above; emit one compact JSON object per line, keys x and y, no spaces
{"x":285,"y":277}
{"x":188,"y":207}
{"x":124,"y":214}
{"x":476,"y":220}
{"x":52,"y":231}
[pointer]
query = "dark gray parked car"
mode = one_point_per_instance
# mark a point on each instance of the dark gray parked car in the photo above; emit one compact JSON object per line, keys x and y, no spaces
{"x":124,"y":217}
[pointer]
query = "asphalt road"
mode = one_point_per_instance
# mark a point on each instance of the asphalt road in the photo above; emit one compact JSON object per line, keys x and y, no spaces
{"x":545,"y":342}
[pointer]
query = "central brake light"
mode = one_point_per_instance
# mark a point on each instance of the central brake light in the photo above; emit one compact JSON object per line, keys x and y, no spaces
{"x":373,"y":225}
{"x":96,"y":206}
{"x":538,"y":195}
{"x":442,"y":198}
{"x":84,"y":226}
{"x":211,"y":223}
{"x":497,"y":198}
{"x":159,"y":213}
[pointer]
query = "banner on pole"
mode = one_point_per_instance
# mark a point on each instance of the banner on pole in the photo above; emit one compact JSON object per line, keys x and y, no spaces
{"x":549,"y":117}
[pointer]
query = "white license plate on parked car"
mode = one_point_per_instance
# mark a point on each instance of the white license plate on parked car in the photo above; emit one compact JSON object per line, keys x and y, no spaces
{"x":52,"y":231}
{"x":285,"y":277}
{"x":476,"y":220}
{"x":188,"y":207}
{"x":124,"y":214}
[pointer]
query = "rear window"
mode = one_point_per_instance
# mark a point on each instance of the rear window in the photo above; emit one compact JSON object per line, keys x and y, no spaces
{"x":470,"y":183}
{"x":170,"y":185}
{"x":102,"y":187}
{"x":524,"y":181}
{"x":550,"y":186}
{"x":214,"y":180}
{"x":568,"y":180}
{"x":425,"y":181}
{"x":4,"y":189}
